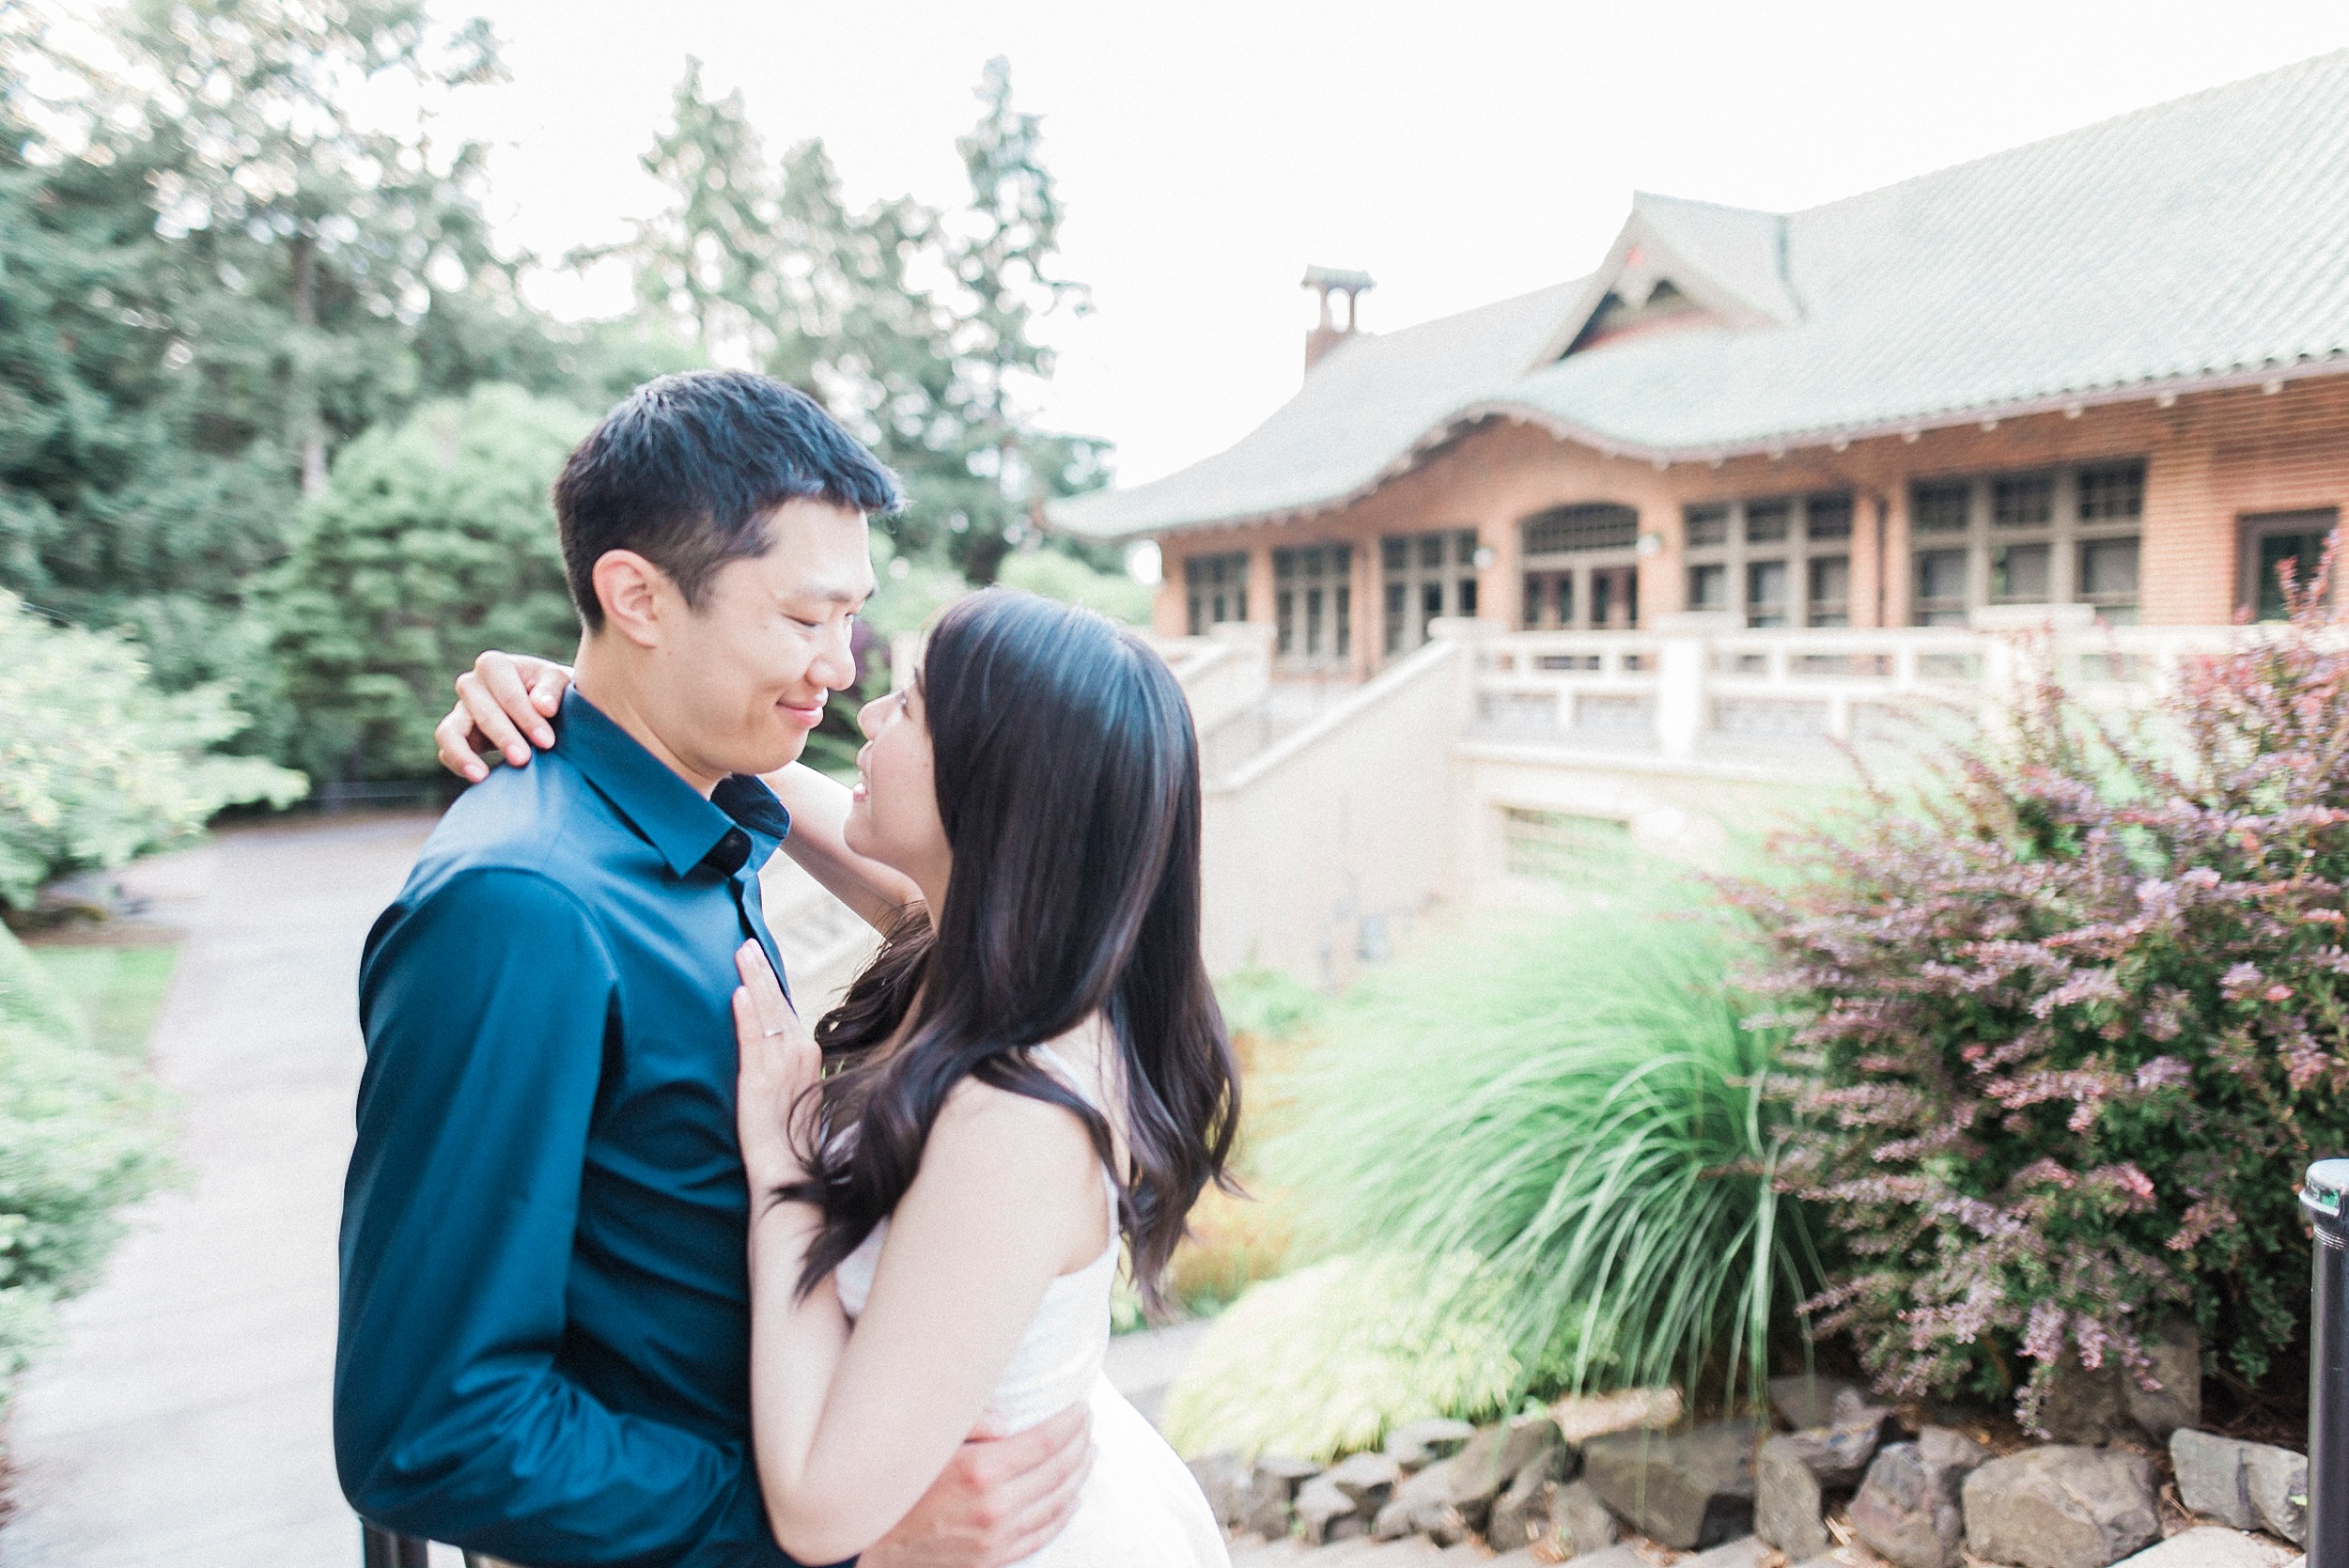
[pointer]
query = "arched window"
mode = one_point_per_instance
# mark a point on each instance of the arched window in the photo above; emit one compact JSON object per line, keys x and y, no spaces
{"x":1581,"y":569}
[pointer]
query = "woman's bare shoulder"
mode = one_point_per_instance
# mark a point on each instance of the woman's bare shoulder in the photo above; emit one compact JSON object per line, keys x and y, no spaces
{"x":1005,"y":1123}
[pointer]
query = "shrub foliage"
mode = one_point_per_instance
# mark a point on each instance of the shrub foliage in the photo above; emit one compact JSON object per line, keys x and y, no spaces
{"x":2073,"y":1026}
{"x":1058,"y":575}
{"x":432,"y":541}
{"x":98,"y":766}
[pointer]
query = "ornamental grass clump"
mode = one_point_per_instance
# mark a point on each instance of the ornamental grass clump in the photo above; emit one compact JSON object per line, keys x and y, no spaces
{"x":1574,"y":1102}
{"x":2068,"y":1029}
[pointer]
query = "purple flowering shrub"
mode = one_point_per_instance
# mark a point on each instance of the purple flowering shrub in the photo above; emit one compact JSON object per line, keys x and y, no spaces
{"x":2069,"y":1031}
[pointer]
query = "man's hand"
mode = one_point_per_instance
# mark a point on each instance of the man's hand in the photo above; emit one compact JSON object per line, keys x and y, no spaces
{"x":503,"y":699}
{"x":1000,"y":1499}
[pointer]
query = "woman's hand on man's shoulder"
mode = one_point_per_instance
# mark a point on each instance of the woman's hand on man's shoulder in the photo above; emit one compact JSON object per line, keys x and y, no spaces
{"x":504,"y":704}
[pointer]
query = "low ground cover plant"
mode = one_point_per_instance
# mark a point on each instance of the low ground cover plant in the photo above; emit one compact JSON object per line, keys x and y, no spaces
{"x":120,"y":989}
{"x":2069,"y":1028}
{"x":1329,"y":1358}
{"x":80,"y":1136}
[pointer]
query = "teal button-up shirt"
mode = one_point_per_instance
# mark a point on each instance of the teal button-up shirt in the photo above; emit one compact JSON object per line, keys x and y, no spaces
{"x":545,"y":1329}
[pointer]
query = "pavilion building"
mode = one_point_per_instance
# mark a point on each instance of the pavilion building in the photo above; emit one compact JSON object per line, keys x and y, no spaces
{"x":2107,"y":372}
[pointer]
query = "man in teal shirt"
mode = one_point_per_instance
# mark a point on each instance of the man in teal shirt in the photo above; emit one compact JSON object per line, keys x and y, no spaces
{"x":545,"y":1315}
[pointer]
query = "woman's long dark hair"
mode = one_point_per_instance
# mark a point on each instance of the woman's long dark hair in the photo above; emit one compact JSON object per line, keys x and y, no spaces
{"x":1068,"y":783}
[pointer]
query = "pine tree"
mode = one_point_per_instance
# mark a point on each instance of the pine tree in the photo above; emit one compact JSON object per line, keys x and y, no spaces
{"x":1000,"y":253}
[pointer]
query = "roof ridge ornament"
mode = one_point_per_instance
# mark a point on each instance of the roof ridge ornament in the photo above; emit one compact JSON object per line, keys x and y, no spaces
{"x":1680,"y":263}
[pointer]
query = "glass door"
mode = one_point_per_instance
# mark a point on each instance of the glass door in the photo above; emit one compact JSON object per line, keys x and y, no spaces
{"x":1313,"y":606}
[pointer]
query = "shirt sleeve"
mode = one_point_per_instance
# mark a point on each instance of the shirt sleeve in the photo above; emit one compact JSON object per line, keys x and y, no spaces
{"x":486,"y":1008}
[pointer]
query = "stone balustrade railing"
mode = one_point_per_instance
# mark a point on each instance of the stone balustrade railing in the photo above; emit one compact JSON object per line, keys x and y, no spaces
{"x":1701,"y":678}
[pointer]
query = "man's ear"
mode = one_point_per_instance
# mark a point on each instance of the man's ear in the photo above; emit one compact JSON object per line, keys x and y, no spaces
{"x":634,"y":593}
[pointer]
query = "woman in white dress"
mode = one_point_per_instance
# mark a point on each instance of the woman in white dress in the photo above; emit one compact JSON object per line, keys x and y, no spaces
{"x":1031,"y":1071}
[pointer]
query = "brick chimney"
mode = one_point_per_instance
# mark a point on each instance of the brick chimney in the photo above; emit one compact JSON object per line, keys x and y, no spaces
{"x":1328,"y":334}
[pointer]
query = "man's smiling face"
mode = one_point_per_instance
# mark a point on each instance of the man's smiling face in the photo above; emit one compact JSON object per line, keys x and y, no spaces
{"x":743,"y":677}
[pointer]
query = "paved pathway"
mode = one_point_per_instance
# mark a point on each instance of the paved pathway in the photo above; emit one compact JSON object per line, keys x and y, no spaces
{"x":1144,"y":1366}
{"x":183,"y":1420}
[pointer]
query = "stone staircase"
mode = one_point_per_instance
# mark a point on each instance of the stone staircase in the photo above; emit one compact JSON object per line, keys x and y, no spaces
{"x":1279,"y":711}
{"x":823,"y":942}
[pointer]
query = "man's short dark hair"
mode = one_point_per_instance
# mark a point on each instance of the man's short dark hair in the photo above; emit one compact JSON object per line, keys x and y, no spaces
{"x":686,"y":469}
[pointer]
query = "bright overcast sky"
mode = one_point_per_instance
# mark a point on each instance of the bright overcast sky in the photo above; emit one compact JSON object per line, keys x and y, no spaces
{"x":1460,"y":152}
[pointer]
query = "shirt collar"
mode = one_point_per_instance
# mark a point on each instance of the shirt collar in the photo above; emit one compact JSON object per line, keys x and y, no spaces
{"x":673,"y":817}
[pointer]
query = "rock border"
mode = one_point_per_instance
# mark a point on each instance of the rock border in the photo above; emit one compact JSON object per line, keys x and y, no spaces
{"x":1738,"y":1493}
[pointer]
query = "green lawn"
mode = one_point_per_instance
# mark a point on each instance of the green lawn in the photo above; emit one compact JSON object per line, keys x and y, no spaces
{"x":118,"y":989}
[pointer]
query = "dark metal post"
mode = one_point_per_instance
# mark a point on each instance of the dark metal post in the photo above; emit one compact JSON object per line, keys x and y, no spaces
{"x":381,"y":1548}
{"x":2321,"y":1196}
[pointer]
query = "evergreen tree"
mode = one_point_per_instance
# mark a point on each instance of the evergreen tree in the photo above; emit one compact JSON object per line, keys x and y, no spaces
{"x":766,"y":267}
{"x":214,"y":272}
{"x":1000,"y":252}
{"x":914,"y":328}
{"x":109,"y":504}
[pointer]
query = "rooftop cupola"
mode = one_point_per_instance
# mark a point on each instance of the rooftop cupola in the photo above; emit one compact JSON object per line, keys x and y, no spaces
{"x":1328,"y":334}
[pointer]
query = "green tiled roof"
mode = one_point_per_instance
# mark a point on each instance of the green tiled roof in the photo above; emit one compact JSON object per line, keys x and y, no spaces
{"x":2197,"y":241}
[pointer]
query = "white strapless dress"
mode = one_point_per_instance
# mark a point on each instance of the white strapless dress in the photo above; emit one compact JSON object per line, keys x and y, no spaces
{"x":1141,"y":1507}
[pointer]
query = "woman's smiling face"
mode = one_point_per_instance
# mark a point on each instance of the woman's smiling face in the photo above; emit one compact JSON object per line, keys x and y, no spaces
{"x":893,"y":813}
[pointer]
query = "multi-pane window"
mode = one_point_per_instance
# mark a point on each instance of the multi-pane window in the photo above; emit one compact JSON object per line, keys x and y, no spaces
{"x":1581,"y":569}
{"x":1829,"y":594}
{"x":2270,"y":540}
{"x":1940,"y":520}
{"x":1425,"y":576}
{"x":1215,"y":589}
{"x":1313,"y":604}
{"x":1781,"y":560}
{"x":2065,"y":536}
{"x":1560,"y":845}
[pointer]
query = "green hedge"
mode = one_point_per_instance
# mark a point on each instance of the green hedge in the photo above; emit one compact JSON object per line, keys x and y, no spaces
{"x":1055,"y":575}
